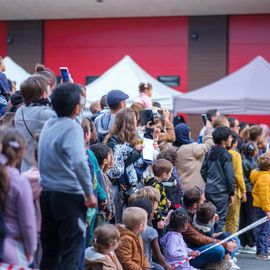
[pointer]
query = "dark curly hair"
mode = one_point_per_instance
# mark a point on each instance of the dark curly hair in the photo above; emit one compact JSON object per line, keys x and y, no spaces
{"x":178,"y":219}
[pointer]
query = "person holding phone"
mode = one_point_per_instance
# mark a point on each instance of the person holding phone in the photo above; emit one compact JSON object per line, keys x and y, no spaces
{"x":190,"y":155}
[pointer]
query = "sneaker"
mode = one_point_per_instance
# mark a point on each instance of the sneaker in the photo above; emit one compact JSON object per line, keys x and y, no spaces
{"x":234,"y":259}
{"x":234,"y":266}
{"x":250,"y":250}
{"x":242,"y":249}
{"x":262,"y":257}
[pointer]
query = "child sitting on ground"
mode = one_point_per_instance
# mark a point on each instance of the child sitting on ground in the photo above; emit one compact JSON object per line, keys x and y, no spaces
{"x":162,"y":170}
{"x":101,"y":256}
{"x":261,"y":202}
{"x":150,"y":235}
{"x":204,"y":221}
{"x":130,"y":251}
{"x":174,"y":247}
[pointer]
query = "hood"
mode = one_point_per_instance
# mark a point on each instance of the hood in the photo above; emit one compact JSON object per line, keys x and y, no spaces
{"x":92,"y":255}
{"x":182,"y":134}
{"x":33,"y":177}
{"x":255,"y":175}
{"x":104,"y":122}
{"x":216,"y":152}
{"x":124,"y":231}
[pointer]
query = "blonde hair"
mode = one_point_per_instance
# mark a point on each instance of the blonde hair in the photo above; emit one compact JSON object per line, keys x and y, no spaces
{"x":264,"y":162}
{"x":105,"y":236}
{"x":134,"y":217}
{"x":220,"y":121}
{"x":146,"y":192}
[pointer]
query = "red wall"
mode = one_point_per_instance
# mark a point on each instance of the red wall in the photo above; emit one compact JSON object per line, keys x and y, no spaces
{"x":3,"y":37}
{"x":249,"y":36}
{"x":90,"y":47}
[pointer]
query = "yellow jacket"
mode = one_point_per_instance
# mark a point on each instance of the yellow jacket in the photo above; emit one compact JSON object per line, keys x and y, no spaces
{"x":261,"y":189}
{"x":238,"y":173}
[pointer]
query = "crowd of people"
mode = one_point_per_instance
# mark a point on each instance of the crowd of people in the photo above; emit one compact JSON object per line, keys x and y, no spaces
{"x":125,"y":188}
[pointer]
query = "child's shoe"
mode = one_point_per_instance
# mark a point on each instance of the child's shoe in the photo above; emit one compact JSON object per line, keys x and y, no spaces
{"x":232,"y":265}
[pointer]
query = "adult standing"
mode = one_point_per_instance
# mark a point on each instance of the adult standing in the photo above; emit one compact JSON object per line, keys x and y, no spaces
{"x":190,"y":156}
{"x":31,"y":117}
{"x":127,"y":157}
{"x":116,"y":100}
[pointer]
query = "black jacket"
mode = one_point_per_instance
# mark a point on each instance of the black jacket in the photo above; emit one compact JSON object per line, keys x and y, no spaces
{"x":217,"y":171}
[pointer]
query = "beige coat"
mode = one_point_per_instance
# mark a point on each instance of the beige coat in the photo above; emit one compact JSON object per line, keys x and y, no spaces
{"x":97,"y":261}
{"x":189,"y":162}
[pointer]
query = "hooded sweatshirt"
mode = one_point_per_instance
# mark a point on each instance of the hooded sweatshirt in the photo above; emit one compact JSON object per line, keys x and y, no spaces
{"x":130,"y":251}
{"x":190,"y":157}
{"x":96,"y":261}
{"x":175,"y":249}
{"x":217,"y":171}
{"x":261,"y":189}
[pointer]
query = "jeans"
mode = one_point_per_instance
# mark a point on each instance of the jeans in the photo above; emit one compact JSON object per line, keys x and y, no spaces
{"x":215,"y":254}
{"x":247,"y":217}
{"x":262,"y":233}
{"x":118,"y":204}
{"x":221,"y":201}
{"x":156,"y":266}
{"x":236,"y":239}
{"x":62,"y":230}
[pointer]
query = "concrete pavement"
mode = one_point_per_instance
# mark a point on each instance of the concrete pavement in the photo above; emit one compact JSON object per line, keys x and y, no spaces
{"x":249,"y":262}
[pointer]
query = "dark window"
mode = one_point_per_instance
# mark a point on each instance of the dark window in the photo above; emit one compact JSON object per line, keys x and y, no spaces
{"x":170,"y":80}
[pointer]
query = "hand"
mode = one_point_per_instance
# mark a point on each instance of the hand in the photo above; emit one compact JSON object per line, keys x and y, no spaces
{"x":231,"y":246}
{"x":268,"y":214}
{"x":208,"y":124}
{"x":231,"y":200}
{"x":194,"y":253}
{"x":169,"y":203}
{"x":216,"y":235}
{"x":216,"y":218}
{"x":88,"y":222}
{"x":244,"y":197}
{"x":166,"y":115}
{"x":160,"y":225}
{"x":109,"y":217}
{"x":29,"y":257}
{"x":139,"y":147}
{"x":90,"y":201}
{"x":104,"y":204}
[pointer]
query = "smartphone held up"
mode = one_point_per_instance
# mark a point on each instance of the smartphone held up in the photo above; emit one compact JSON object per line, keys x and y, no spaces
{"x":204,"y":118}
{"x":65,"y":74}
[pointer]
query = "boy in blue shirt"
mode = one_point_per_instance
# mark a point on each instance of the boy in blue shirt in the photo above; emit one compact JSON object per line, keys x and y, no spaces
{"x":66,"y":182}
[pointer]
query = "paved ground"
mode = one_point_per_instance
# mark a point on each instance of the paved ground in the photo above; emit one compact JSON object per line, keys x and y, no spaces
{"x":249,"y":262}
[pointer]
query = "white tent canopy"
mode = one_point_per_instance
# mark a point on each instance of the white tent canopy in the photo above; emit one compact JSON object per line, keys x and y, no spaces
{"x":15,"y":72}
{"x":246,"y":91}
{"x":126,"y":76}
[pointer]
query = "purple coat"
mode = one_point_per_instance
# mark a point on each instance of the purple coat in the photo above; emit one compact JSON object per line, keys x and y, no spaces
{"x":19,"y":214}
{"x":175,"y":250}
